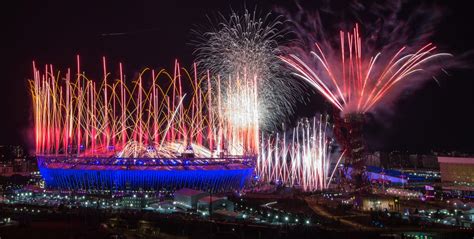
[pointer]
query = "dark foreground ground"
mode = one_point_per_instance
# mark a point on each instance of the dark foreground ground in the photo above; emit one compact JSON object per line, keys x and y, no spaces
{"x":77,"y":228}
{"x":89,"y":223}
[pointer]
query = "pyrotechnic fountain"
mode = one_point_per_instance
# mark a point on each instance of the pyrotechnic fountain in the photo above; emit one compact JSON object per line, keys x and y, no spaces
{"x":305,"y":159}
{"x":83,"y":128}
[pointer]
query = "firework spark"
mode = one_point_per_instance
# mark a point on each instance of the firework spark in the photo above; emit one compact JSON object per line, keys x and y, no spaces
{"x":355,"y":82}
{"x":303,"y":160}
{"x":248,"y":45}
{"x":75,"y":115}
{"x":357,"y":72}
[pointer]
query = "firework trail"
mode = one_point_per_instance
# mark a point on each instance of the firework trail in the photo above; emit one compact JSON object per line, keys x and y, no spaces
{"x":76,"y":115}
{"x":359,"y":70}
{"x":247,"y":45}
{"x":239,"y":108}
{"x":304,"y":159}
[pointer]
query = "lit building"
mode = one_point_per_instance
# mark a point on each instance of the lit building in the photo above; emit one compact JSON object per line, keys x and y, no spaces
{"x":402,"y":192}
{"x":194,"y":199}
{"x":134,"y":201}
{"x":216,"y":203}
{"x":457,"y":170}
{"x":401,"y":176}
{"x":457,"y":175}
{"x":6,"y":170}
{"x":376,"y":204}
{"x":188,"y":198}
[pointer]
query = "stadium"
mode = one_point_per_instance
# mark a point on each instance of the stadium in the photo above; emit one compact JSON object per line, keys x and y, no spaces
{"x":131,"y":137}
{"x":215,"y":174}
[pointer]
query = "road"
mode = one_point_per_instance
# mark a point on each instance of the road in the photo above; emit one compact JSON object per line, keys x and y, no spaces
{"x":314,"y":205}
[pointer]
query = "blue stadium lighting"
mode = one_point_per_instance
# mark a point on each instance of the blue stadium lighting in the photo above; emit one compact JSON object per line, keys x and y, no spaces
{"x":123,"y":175}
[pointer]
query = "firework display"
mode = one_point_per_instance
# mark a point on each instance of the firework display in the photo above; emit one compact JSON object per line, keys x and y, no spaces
{"x":246,"y":44}
{"x":80,"y":117}
{"x":304,"y":159}
{"x":141,"y":126}
{"x":211,"y":128}
{"x":362,"y":70}
{"x":355,"y":82}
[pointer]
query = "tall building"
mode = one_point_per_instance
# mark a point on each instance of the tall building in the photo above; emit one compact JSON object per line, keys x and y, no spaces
{"x":349,"y":133}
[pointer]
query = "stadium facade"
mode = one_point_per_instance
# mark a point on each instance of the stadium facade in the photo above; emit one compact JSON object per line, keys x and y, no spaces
{"x":93,"y":173}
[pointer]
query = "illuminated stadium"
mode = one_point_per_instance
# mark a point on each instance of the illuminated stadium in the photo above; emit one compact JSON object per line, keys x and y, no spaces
{"x":216,"y":174}
{"x":165,"y":132}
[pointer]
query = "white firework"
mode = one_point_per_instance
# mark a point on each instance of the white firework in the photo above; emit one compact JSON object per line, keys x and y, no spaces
{"x":304,"y":159}
{"x":247,"y":45}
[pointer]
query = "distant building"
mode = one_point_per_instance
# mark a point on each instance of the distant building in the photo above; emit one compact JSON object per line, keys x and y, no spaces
{"x":400,"y":176}
{"x":457,"y":176}
{"x":216,"y":203}
{"x":373,"y":159}
{"x":10,"y":152}
{"x":134,"y":201}
{"x":6,"y":170}
{"x":457,"y":170}
{"x":188,"y":198}
{"x":405,"y":160}
{"x":18,"y":166}
{"x":198,"y":200}
{"x":402,"y":192}
{"x":375,"y":203}
{"x":429,"y":161}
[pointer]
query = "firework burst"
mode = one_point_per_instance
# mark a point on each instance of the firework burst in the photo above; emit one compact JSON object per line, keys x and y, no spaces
{"x":248,"y":45}
{"x":357,"y":72}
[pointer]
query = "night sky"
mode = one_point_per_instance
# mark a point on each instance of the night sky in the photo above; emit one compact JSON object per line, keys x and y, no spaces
{"x":438,"y":117}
